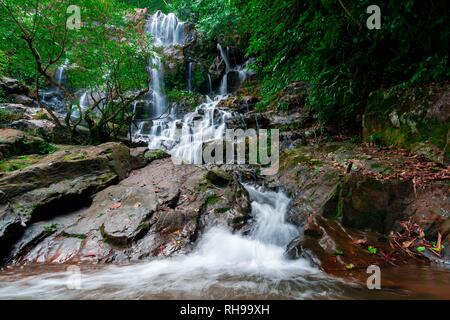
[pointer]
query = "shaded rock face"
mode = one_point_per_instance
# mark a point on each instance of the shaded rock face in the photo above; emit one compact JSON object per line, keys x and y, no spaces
{"x":61,"y":182}
{"x":293,"y":97}
{"x":40,"y":127}
{"x":343,"y":209}
{"x":414,"y":118}
{"x":370,"y":204}
{"x":14,"y":142}
{"x":157,"y":211}
{"x":18,"y":111}
{"x":12,"y":86}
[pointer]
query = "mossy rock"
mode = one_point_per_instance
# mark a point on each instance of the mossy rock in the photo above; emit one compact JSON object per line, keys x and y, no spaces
{"x":415,"y":118}
{"x":219,"y":178}
{"x":15,"y":142}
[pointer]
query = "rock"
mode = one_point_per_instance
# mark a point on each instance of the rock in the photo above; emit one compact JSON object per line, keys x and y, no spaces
{"x":233,"y":81}
{"x":14,"y":142}
{"x":65,"y":173}
{"x":128,"y":216}
{"x":12,"y":86}
{"x":24,"y":100}
{"x":339,"y":214}
{"x":240,"y":104}
{"x":293,"y":97}
{"x":366,"y":203}
{"x":414,"y":118}
{"x":218,"y":177}
{"x":10,"y":229}
{"x":153,"y":155}
{"x":18,"y":111}
{"x":39,"y":127}
{"x":158,"y":210}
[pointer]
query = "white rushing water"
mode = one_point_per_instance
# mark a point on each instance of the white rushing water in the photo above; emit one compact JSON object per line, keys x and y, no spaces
{"x":223,"y":261}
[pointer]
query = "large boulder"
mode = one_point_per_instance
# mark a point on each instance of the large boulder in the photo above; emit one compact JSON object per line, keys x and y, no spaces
{"x":15,"y":142}
{"x":43,"y":127}
{"x":347,"y":199}
{"x":12,"y":86}
{"x":158,"y":210}
{"x":59,"y":183}
{"x":415,"y":118}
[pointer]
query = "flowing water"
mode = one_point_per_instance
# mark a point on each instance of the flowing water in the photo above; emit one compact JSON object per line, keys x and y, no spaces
{"x":224,"y":265}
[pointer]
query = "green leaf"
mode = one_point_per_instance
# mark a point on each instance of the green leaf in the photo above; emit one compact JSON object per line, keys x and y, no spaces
{"x":372,"y":250}
{"x":338,"y":252}
{"x":420,"y":249}
{"x":349,"y":266}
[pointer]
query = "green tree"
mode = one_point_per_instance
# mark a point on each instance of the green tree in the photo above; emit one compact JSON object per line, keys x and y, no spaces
{"x":108,"y":54}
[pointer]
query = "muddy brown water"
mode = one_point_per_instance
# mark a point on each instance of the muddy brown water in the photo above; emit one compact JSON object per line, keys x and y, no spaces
{"x":53,"y":282}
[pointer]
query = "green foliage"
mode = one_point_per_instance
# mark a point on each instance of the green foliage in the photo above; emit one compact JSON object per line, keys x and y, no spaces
{"x":420,"y":249}
{"x":3,"y":63}
{"x":220,"y":20}
{"x":51,"y":229}
{"x":372,"y":250}
{"x":329,"y":45}
{"x":8,"y":116}
{"x":16,"y":163}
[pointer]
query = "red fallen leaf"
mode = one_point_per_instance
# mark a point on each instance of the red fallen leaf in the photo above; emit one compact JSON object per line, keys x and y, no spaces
{"x":407,"y":244}
{"x":439,"y":241}
{"x":115,"y":206}
{"x":360,"y":241}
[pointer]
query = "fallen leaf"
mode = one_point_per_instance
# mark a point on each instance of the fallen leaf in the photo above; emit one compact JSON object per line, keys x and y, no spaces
{"x":115,"y":206}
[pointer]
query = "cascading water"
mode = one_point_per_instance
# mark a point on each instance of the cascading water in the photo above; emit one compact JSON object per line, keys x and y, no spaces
{"x":159,"y":98}
{"x":223,"y":264}
{"x":190,"y":76}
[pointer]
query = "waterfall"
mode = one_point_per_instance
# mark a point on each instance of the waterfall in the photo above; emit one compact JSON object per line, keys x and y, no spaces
{"x":60,"y":75}
{"x":84,"y":101}
{"x":159,"y":98}
{"x":190,"y":76}
{"x":210,"y":87}
{"x":166,"y":30}
{"x":223,"y":261}
{"x":184,"y":138}
{"x":223,"y":89}
{"x":224,"y":57}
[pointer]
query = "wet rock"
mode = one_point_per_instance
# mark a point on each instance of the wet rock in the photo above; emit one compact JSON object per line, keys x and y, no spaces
{"x":367,"y":203}
{"x":64,"y":174}
{"x":158,"y":210}
{"x":129,"y":217}
{"x":10,"y":229}
{"x":340,"y":213}
{"x":233,"y":81}
{"x":240,"y":104}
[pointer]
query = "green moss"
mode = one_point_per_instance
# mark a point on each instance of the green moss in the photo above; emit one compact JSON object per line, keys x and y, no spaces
{"x":51,"y":229}
{"x":74,"y":235}
{"x":8,"y":116}
{"x":75,"y":157}
{"x":212,"y":200}
{"x":18,"y":163}
{"x":222,"y":210}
